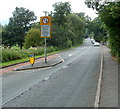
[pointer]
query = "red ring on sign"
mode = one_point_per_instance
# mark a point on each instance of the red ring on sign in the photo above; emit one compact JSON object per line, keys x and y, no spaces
{"x":45,"y":20}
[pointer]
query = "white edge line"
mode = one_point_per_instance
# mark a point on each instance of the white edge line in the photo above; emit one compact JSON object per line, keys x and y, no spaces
{"x":97,"y":99}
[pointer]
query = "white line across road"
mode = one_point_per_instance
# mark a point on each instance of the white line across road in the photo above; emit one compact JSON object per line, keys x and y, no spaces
{"x":70,"y":54}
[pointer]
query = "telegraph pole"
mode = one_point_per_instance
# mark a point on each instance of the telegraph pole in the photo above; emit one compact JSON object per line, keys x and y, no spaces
{"x":45,"y":51}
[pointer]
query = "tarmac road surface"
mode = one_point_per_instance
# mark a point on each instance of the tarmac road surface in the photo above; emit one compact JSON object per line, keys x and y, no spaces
{"x":72,"y":83}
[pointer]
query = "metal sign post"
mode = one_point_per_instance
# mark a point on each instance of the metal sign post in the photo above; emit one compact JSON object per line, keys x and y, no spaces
{"x":45,"y":52}
{"x":45,"y":23}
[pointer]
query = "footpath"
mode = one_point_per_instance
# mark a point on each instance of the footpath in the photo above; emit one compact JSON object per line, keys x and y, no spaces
{"x":52,"y":60}
{"x":109,"y":87}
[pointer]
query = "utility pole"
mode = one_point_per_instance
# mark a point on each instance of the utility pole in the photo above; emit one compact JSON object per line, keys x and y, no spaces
{"x":45,"y":51}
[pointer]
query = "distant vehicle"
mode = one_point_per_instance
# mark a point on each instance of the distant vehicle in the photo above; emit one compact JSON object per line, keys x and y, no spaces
{"x":96,"y":44}
{"x":93,"y":41}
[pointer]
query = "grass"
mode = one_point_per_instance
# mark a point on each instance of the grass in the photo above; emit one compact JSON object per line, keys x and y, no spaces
{"x":26,"y":59}
{"x":14,"y":62}
{"x":38,"y":56}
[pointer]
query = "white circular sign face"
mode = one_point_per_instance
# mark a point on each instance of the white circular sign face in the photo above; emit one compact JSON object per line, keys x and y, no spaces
{"x":45,"y":20}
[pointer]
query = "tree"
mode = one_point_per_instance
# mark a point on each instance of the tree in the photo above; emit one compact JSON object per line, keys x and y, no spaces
{"x":32,"y":38}
{"x":71,"y":33}
{"x":58,"y":37}
{"x":35,"y":25}
{"x":1,"y":27}
{"x":7,"y":37}
{"x":109,"y":12}
{"x":67,"y":29}
{"x":1,"y":33}
{"x":20,"y":23}
{"x":61,"y":10}
{"x":96,"y":28}
{"x":110,"y":15}
{"x":83,"y":17}
{"x":78,"y":28}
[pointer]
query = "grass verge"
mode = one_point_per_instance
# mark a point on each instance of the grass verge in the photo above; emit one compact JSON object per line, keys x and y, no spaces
{"x":38,"y":56}
{"x":25,"y":59}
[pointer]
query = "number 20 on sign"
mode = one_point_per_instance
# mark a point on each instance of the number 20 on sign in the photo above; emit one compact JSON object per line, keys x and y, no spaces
{"x":45,"y":23}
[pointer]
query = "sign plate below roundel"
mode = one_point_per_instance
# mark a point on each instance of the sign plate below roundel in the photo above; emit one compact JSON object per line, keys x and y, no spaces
{"x":45,"y":31}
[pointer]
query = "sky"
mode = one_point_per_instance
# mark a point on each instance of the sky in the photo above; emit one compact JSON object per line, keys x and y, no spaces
{"x":38,"y":6}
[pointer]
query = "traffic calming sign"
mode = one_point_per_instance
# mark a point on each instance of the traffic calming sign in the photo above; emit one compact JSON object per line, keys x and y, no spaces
{"x":45,"y":20}
{"x":45,"y":31}
{"x":45,"y":23}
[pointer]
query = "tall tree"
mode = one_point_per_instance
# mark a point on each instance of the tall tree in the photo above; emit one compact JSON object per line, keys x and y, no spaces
{"x":7,"y":37}
{"x":71,"y":33}
{"x":78,"y":25}
{"x":96,"y":28}
{"x":1,"y":33}
{"x":109,"y":12}
{"x":61,"y":10}
{"x":20,"y":23}
{"x":110,"y":15}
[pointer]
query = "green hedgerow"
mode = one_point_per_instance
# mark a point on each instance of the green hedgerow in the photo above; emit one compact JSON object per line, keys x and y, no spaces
{"x":13,"y":54}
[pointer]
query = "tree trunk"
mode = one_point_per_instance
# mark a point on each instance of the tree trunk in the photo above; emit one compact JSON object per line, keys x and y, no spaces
{"x":20,"y":46}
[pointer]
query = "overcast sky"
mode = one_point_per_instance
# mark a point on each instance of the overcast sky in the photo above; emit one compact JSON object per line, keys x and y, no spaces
{"x":38,"y":6}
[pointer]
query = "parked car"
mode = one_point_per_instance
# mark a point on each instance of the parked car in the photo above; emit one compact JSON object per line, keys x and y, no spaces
{"x":96,"y":44}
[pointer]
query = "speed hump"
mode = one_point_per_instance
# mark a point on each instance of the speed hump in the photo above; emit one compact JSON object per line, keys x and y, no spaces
{"x":45,"y":23}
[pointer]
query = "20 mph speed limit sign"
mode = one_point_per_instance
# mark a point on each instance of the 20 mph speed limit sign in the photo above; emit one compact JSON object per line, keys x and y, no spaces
{"x":45,"y":23}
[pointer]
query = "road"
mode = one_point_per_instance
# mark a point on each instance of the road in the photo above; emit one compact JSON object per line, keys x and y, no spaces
{"x":72,"y":83}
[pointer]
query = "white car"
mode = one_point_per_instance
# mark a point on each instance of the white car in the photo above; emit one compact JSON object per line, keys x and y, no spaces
{"x":96,"y":44}
{"x":93,"y":41}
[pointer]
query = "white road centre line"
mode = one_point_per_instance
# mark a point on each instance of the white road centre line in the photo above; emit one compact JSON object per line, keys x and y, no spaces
{"x":45,"y":79}
{"x":70,"y":54}
{"x":65,"y":67}
{"x":97,"y":99}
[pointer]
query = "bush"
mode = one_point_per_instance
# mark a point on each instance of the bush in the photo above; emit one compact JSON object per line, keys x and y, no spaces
{"x":8,"y":55}
{"x":51,"y":49}
{"x":37,"y":51}
{"x":32,"y":38}
{"x":12,"y":54}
